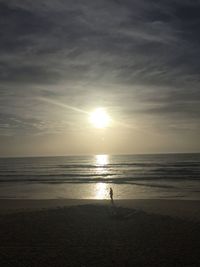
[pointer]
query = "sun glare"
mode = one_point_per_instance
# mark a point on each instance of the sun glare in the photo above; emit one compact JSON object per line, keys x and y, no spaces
{"x":100,"y":118}
{"x":101,"y":160}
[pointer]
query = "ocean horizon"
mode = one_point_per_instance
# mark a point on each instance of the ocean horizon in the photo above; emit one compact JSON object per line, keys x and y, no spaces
{"x":141,"y":176}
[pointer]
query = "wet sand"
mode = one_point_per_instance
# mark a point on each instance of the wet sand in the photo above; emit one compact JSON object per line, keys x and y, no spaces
{"x":95,"y":233}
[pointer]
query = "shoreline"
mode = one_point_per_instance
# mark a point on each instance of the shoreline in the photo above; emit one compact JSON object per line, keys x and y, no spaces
{"x":185,"y":209}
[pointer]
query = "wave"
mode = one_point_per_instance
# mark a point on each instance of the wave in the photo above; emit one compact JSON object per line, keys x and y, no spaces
{"x":84,"y":179}
{"x":113,"y":165}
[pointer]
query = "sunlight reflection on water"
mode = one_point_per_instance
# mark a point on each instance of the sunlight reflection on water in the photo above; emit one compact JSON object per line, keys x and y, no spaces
{"x":101,"y":160}
{"x":101,"y":189}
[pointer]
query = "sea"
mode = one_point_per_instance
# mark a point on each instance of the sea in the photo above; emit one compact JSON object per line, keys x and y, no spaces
{"x":156,"y":176}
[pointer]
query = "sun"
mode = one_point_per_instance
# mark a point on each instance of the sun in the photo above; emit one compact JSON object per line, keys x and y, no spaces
{"x":100,"y":118}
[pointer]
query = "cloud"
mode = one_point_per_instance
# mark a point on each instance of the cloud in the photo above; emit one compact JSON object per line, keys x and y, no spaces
{"x":79,"y":52}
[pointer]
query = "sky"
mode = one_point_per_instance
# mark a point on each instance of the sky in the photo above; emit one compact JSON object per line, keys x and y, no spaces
{"x":62,"y":59}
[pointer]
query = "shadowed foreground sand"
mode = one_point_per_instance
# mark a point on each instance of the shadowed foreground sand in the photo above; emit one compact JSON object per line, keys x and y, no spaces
{"x":97,"y":235}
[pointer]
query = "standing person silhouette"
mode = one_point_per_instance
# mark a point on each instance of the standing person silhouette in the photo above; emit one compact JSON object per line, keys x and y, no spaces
{"x":111,"y":195}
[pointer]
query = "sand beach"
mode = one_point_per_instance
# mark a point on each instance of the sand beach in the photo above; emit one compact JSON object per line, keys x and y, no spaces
{"x":96,"y":233}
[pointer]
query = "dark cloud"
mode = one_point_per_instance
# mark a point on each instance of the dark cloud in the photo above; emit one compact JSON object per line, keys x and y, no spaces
{"x":144,"y":52}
